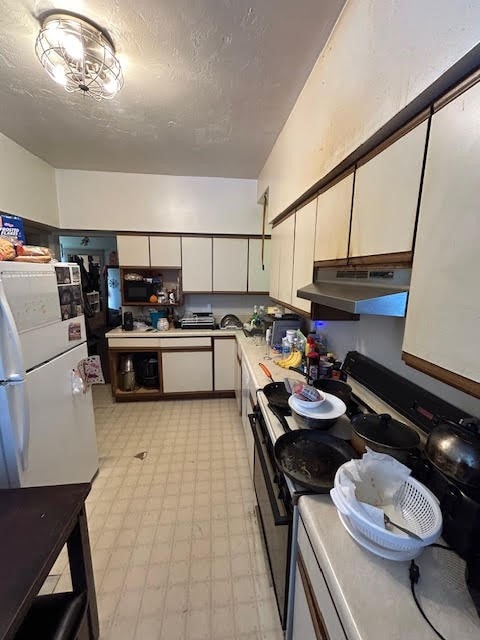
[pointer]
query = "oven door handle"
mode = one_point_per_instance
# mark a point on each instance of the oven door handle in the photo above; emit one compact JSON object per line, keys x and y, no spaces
{"x":277,"y":516}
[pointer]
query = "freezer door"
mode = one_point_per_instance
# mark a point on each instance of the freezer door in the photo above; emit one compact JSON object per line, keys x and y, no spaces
{"x":30,"y":316}
{"x":62,"y":444}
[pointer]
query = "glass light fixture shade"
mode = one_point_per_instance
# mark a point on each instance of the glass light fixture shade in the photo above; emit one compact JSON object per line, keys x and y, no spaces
{"x":77,"y":55}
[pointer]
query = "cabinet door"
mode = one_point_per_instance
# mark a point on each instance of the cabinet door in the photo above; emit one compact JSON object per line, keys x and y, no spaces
{"x":225,"y":359}
{"x":196,"y":264}
{"x":275,"y":263}
{"x":187,"y":371}
{"x":258,"y":278}
{"x":230,"y":264}
{"x":165,"y":251}
{"x":333,"y":221}
{"x":386,"y":197}
{"x":285,"y":272}
{"x":246,"y":409}
{"x":303,"y":628}
{"x":305,"y":219}
{"x":238,"y":384}
{"x":442,"y":324}
{"x":133,"y":251}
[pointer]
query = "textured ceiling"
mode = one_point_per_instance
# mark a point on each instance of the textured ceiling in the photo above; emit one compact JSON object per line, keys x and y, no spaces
{"x":208,"y":83}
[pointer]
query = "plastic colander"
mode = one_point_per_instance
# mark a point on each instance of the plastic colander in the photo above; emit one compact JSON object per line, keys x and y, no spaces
{"x":418,"y":506}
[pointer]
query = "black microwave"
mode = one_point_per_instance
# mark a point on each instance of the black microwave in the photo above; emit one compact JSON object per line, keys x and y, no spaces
{"x":137,"y":291}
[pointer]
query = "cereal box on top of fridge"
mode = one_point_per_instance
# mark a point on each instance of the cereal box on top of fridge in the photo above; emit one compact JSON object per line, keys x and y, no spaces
{"x":11,"y":227}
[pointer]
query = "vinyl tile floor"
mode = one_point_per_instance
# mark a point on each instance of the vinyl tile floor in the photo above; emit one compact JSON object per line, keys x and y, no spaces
{"x":176,"y":548}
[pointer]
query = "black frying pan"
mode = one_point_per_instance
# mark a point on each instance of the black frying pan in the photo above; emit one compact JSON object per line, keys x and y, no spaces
{"x":311,"y":458}
{"x":336,"y":387}
{"x":277,"y":395}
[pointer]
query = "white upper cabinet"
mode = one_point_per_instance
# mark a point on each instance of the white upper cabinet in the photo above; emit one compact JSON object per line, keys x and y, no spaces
{"x":275,"y":263}
{"x":230,"y":264}
{"x":285,"y":271}
{"x":196,"y":264}
{"x":443,"y":314}
{"x":133,"y":251}
{"x":305,"y":219}
{"x":258,"y":278}
{"x":386,"y":197}
{"x":165,"y":251}
{"x":333,"y":221}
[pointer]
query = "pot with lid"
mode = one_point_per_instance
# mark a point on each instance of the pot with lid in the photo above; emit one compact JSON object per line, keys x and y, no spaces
{"x":384,"y":434}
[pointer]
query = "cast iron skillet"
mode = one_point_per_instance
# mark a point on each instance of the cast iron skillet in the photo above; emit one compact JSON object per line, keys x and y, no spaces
{"x":277,"y":395}
{"x":311,"y":458}
{"x":336,"y":387}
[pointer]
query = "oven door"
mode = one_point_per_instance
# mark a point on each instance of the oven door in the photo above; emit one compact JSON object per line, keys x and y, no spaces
{"x":275,"y":516}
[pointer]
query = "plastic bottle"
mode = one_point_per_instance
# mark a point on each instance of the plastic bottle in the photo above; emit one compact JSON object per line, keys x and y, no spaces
{"x":310,"y":344}
{"x":286,"y":347}
{"x":321,"y":343}
{"x":312,"y":367}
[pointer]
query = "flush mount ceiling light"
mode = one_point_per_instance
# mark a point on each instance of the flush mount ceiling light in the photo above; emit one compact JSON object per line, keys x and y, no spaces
{"x":80,"y":56}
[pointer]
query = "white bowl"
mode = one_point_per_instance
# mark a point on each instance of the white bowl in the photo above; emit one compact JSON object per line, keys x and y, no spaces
{"x":309,"y":404}
{"x":331,"y":409}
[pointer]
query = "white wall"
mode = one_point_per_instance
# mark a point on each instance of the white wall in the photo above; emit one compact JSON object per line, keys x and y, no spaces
{"x":380,"y":338}
{"x":27,"y":184}
{"x":142,"y":202}
{"x":381,"y":55}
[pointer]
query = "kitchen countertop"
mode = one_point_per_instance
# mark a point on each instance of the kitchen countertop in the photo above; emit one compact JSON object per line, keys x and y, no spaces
{"x":372,"y":595}
{"x":118,"y":332}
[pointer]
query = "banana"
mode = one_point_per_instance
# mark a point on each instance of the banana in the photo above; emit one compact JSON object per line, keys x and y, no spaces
{"x":296,"y":361}
{"x":283,"y":362}
{"x":293,"y":360}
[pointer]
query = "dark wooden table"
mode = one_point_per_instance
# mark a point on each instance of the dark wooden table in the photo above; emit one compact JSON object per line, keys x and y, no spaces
{"x":35,"y":523}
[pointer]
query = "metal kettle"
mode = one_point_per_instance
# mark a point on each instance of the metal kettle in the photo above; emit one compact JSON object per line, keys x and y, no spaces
{"x":454,"y":449}
{"x":127,"y":373}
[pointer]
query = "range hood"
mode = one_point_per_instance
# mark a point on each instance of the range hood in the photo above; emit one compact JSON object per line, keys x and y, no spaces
{"x":374,"y":292}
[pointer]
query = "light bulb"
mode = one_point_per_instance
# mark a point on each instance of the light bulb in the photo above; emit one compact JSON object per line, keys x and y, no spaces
{"x":59,"y":75}
{"x":72,"y":45}
{"x":111,"y":86}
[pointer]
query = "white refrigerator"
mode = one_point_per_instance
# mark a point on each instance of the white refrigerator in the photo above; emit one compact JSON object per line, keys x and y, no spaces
{"x":47,"y":429}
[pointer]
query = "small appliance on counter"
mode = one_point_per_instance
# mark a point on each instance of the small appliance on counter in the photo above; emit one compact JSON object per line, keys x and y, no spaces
{"x":127,"y":321}
{"x":198,"y":321}
{"x":280,"y":326}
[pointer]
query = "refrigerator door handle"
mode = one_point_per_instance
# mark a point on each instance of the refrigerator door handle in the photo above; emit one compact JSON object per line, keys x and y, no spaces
{"x":22,"y":414}
{"x":16,"y":355}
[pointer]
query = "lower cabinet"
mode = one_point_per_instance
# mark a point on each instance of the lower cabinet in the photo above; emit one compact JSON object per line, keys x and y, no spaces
{"x":224,"y":361}
{"x":238,"y":378}
{"x":161,"y":367}
{"x":247,"y":407}
{"x":187,"y":371}
{"x":314,"y":614}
